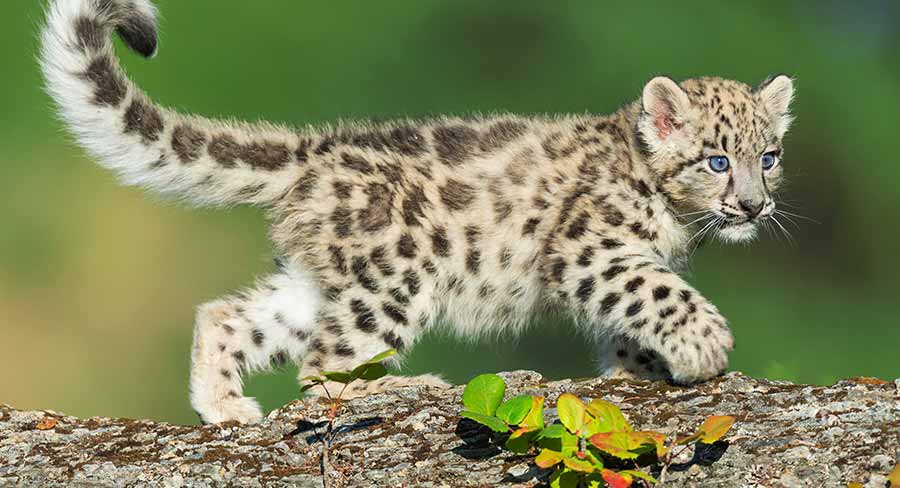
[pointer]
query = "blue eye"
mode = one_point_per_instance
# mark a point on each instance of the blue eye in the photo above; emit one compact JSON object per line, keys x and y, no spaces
{"x":768,"y":160}
{"x":718,"y":163}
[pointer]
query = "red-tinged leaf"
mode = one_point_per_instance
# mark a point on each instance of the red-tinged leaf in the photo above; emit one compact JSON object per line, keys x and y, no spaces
{"x":894,"y":477}
{"x":869,"y":380}
{"x":579,"y":465}
{"x":659,"y":440}
{"x":46,"y":423}
{"x":535,"y":418}
{"x":608,"y":417}
{"x":629,"y":445}
{"x":715,"y":427}
{"x":548,"y":459}
{"x":616,"y":480}
{"x":571,"y":410}
{"x":689,"y":439}
{"x":614,"y":443}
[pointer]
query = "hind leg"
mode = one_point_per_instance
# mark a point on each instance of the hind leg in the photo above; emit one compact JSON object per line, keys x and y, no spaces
{"x":623,"y":358}
{"x":355,"y":327}
{"x":248,"y":332}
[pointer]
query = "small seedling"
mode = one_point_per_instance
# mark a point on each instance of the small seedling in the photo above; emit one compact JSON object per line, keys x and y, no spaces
{"x":589,"y":445}
{"x":367,"y":371}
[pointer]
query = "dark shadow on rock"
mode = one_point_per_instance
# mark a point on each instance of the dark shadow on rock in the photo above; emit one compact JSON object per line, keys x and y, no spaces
{"x":307,"y":426}
{"x":478,"y":440}
{"x":362,"y":424}
{"x":704,"y":455}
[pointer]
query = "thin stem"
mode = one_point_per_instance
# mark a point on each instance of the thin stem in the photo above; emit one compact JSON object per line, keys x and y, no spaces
{"x":326,"y":458}
{"x":669,"y":458}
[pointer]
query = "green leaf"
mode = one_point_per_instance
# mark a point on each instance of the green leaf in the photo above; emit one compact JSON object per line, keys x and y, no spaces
{"x":373,"y":368}
{"x":554,"y":431}
{"x":369,"y":371}
{"x":571,"y":412}
{"x":338,"y":376}
{"x":484,"y":393}
{"x":715,"y":427}
{"x":514,"y":410}
{"x":639,"y":474}
{"x":616,"y":480}
{"x":894,"y":477}
{"x":381,"y":357}
{"x":565,"y":478}
{"x":490,"y":421}
{"x":548,"y":459}
{"x":314,"y":379}
{"x":608,"y":417}
{"x":568,"y":443}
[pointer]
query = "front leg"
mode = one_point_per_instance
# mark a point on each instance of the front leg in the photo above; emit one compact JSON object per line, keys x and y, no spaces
{"x":650,"y":308}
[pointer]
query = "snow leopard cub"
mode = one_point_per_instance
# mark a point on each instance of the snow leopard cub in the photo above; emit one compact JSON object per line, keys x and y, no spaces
{"x":484,"y":221}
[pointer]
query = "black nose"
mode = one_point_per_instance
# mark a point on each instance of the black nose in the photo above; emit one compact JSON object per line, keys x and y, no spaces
{"x":752,"y":207}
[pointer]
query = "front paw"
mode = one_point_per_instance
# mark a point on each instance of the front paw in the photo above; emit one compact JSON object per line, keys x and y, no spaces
{"x":699,"y":350}
{"x":242,"y":409}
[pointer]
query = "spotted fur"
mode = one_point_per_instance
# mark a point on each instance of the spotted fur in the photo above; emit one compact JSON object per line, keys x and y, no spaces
{"x":486,"y":222}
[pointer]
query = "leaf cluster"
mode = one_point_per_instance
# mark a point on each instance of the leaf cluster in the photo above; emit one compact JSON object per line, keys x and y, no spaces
{"x":588,"y":444}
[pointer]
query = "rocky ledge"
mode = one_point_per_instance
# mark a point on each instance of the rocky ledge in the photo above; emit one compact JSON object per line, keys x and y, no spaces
{"x":785,"y":435}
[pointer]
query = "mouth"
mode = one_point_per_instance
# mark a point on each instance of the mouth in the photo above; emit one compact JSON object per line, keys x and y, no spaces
{"x":738,"y":229}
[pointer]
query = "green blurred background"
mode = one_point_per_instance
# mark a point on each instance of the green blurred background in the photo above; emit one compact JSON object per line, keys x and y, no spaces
{"x":98,"y":283}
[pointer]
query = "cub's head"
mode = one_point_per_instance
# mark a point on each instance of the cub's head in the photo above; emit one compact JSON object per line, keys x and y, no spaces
{"x":715,"y":146}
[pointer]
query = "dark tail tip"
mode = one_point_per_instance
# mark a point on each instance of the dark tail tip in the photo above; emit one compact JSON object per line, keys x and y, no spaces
{"x":139,"y":33}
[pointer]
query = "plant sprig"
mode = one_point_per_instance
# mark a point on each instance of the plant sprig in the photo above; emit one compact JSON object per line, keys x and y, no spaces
{"x":370,"y":370}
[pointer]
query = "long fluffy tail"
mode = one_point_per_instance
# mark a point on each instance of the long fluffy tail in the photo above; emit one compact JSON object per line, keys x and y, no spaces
{"x":205,"y":161}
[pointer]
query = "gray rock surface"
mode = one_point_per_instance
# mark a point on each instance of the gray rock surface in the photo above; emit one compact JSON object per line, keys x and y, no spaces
{"x":785,"y":435}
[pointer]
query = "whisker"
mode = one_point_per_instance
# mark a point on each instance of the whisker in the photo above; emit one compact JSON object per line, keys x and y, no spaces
{"x":705,"y":227}
{"x":785,"y":212}
{"x":699,"y":219}
{"x":702,"y":232}
{"x":787,"y":233}
{"x":768,"y":226}
{"x":789,"y":219}
{"x":692,"y":213}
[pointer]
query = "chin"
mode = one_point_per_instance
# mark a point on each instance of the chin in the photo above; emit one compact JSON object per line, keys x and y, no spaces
{"x":742,"y":232}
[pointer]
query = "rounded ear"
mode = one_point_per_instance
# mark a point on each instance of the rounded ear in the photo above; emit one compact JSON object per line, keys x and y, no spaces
{"x":776,"y":94}
{"x":667,"y":106}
